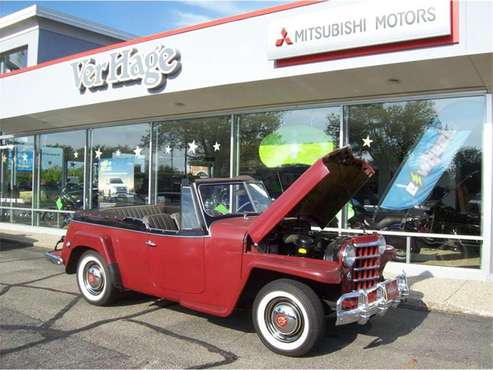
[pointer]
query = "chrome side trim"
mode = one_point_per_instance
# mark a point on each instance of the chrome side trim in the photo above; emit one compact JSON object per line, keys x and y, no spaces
{"x":367,"y":257}
{"x":366,"y":279}
{"x":365,"y":309}
{"x":366,"y":268}
{"x":366,"y":245}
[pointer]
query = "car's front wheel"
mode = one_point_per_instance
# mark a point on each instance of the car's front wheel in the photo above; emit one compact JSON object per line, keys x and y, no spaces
{"x":288,"y":317}
{"x":94,"y":279}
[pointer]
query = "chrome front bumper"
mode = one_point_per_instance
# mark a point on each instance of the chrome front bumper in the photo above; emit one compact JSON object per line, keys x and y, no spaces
{"x":362,"y":313}
{"x":57,"y":260}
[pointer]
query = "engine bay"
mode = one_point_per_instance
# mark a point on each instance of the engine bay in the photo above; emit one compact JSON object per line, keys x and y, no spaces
{"x":294,"y":237}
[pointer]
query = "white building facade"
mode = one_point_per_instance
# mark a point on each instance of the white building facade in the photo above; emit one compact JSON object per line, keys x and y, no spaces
{"x":407,"y":84}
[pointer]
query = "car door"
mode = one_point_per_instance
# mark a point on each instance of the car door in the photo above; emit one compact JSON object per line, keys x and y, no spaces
{"x":176,"y":258}
{"x":131,"y":250}
{"x":176,"y":262}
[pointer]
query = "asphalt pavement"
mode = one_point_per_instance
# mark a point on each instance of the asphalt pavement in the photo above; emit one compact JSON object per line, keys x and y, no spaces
{"x":45,"y":323}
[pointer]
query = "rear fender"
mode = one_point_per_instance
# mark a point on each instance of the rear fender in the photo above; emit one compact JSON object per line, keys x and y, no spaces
{"x":81,"y":241}
{"x":100,"y":243}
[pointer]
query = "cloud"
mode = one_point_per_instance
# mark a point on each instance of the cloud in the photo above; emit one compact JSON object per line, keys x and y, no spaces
{"x":205,"y":10}
{"x":222,"y":7}
{"x":188,"y":19}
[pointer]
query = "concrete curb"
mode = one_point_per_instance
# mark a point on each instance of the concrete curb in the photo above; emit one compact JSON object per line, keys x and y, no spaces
{"x":445,"y":308}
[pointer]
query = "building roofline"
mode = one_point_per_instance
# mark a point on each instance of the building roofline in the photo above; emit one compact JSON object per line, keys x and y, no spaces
{"x":138,"y":40}
{"x":42,"y":12}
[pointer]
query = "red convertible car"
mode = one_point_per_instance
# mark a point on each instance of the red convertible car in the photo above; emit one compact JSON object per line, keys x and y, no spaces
{"x":230,"y":245}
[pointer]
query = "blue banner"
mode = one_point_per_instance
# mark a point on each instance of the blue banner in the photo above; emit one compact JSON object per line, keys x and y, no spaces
{"x":23,"y":158}
{"x":423,"y":168}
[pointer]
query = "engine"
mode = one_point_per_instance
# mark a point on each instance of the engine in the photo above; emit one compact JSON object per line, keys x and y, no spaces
{"x":294,"y":237}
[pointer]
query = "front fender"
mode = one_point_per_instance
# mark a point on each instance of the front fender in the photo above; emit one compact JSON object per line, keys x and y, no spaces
{"x":326,"y":272}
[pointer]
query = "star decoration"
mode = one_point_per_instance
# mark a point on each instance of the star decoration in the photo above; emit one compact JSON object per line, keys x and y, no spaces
{"x":367,"y":141}
{"x":24,"y":157}
{"x":192,"y":147}
{"x":217,"y":147}
{"x":98,"y":153}
{"x":118,"y":153}
{"x":76,"y":155}
{"x":167,"y":149}
{"x":138,"y":151}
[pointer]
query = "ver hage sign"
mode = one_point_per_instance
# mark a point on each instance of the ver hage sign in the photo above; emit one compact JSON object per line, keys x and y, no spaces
{"x":359,"y":24}
{"x":150,"y":68}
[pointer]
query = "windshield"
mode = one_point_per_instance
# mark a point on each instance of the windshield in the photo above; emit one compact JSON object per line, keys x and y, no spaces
{"x":116,"y":181}
{"x":231,"y":199}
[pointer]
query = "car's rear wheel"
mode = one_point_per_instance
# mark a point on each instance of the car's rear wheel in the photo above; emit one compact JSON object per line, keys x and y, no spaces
{"x":288,"y":317}
{"x":94,"y":280}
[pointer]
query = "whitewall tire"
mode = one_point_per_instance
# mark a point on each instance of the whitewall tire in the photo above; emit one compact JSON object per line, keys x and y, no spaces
{"x":288,"y":317}
{"x":94,"y":279}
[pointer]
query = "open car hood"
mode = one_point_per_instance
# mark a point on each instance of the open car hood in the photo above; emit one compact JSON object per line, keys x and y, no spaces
{"x":318,"y":194}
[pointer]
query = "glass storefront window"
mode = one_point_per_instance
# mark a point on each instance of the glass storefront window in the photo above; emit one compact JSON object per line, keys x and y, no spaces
{"x":446,"y":252}
{"x":120,"y":171}
{"x":427,"y":189}
{"x":61,"y":174}
{"x":277,"y":147}
{"x":61,"y":177}
{"x":428,"y":158}
{"x":16,"y":173}
{"x":16,"y":216}
{"x":190,"y":149}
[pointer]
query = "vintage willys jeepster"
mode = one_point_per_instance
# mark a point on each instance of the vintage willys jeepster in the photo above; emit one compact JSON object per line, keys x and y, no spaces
{"x":230,"y":245}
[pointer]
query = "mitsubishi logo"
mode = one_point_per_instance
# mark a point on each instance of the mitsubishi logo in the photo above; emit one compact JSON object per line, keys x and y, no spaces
{"x":284,"y":38}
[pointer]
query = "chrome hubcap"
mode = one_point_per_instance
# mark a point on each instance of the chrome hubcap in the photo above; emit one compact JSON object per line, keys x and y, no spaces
{"x":284,"y":320}
{"x":93,"y":278}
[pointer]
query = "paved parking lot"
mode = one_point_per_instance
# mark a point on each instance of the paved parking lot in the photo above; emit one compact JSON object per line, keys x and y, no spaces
{"x":44,"y":323}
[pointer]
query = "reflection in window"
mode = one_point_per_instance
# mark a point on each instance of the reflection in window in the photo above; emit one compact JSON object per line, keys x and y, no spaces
{"x":13,"y":59}
{"x":427,"y":156}
{"x":190,"y":149}
{"x":446,"y":252}
{"x":120,"y":157}
{"x":277,"y":147}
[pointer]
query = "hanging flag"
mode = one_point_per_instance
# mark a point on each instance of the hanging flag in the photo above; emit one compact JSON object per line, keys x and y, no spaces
{"x":423,"y":168}
{"x":59,"y":203}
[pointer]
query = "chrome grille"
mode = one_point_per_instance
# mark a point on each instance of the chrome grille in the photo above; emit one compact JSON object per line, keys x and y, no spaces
{"x":366,"y":269}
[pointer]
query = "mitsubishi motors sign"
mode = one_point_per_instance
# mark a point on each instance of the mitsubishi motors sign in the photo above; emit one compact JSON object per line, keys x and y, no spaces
{"x":352,"y":25}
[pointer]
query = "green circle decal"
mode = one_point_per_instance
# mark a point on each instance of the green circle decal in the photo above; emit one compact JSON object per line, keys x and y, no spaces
{"x":294,"y":145}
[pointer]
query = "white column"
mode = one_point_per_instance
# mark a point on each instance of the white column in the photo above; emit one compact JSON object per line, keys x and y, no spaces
{"x":487,"y":226}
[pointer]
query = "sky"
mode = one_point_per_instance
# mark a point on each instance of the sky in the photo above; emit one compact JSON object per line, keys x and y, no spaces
{"x":145,"y":17}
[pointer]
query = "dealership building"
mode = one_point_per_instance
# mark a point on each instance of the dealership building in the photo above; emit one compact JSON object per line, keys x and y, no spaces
{"x":93,"y":118}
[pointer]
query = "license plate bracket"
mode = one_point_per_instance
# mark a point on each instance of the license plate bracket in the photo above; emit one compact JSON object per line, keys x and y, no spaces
{"x":392,"y":290}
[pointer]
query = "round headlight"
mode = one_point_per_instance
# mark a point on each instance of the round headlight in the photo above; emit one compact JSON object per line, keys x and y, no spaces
{"x":382,"y":244}
{"x":349,"y":255}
